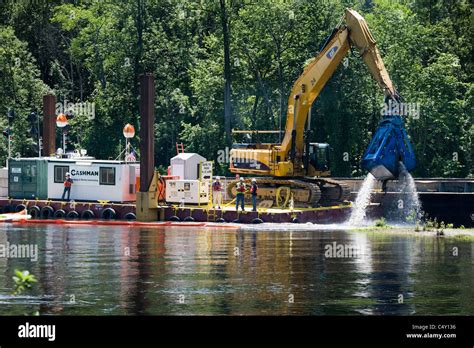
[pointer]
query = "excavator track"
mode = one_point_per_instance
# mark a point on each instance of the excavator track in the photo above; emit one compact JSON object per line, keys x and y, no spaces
{"x":332,"y":192}
{"x":307,"y":191}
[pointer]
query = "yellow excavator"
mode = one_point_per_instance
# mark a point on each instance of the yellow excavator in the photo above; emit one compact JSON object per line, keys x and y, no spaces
{"x":296,"y":168}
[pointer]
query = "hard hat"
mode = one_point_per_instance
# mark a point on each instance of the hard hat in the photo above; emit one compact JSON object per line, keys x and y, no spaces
{"x":241,"y":179}
{"x":254,"y":180}
{"x":218,"y":177}
{"x":68,"y":174}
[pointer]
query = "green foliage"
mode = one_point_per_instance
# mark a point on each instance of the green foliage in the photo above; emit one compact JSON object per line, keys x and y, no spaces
{"x":381,"y":223}
{"x":433,"y":225}
{"x":20,"y":89}
{"x":94,"y":51}
{"x":23,"y":280}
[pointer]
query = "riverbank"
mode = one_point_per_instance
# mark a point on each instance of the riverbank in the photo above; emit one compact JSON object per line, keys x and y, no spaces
{"x":464,"y":233}
{"x":408,"y":230}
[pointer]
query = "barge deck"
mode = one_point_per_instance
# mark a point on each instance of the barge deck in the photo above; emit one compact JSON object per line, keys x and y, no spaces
{"x":449,"y":200}
{"x":47,"y":209}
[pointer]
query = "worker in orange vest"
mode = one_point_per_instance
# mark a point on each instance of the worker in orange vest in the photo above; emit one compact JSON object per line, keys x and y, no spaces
{"x":67,"y":186}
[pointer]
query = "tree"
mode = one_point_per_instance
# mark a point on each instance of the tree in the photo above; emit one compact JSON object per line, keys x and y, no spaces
{"x":232,"y":64}
{"x":20,"y":89}
{"x":227,"y":72}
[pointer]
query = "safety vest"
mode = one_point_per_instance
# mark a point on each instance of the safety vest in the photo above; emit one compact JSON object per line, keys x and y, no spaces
{"x":240,"y":187}
{"x":216,"y":186}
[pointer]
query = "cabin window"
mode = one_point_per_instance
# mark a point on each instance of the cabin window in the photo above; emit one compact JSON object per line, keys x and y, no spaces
{"x":60,"y":173}
{"x":107,"y":176}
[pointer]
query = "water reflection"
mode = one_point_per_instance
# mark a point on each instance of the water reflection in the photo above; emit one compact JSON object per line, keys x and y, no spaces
{"x":128,"y":271}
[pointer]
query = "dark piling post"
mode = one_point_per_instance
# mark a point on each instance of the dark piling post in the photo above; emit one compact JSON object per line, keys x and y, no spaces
{"x":147,"y":197}
{"x":147,"y":138}
{"x":49,"y":125}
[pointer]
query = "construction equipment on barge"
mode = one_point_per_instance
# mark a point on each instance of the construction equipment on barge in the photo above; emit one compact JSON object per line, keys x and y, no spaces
{"x":298,"y":168}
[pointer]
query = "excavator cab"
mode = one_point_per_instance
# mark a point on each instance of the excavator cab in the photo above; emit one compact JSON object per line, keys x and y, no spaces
{"x":319,"y":156}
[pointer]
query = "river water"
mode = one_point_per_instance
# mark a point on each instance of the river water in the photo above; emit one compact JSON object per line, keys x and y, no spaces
{"x":101,"y":270}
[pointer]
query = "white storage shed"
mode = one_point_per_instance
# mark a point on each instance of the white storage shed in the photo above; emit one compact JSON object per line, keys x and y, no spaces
{"x":186,"y":165}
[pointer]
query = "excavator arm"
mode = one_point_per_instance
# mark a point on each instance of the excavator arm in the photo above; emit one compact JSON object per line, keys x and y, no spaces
{"x":363,"y":41}
{"x":354,"y":33}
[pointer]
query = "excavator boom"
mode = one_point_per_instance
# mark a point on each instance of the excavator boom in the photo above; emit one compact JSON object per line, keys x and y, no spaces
{"x":363,"y":41}
{"x":356,"y":34}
